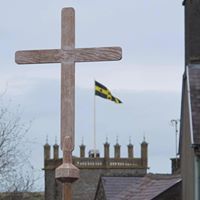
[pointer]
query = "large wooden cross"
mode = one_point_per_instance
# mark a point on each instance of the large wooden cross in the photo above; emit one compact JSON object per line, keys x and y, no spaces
{"x":67,"y":56}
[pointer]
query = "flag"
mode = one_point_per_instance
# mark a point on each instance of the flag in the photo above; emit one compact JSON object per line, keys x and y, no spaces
{"x":104,"y":92}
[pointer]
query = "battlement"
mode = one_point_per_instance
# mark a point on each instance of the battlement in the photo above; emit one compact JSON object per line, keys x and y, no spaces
{"x":106,"y":162}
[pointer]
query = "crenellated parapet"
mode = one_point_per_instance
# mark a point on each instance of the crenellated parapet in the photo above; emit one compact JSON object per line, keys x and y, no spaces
{"x":92,"y":167}
{"x":105,"y":162}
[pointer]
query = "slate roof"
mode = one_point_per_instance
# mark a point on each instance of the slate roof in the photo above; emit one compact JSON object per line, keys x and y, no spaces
{"x":137,"y":188}
{"x":194,"y":85}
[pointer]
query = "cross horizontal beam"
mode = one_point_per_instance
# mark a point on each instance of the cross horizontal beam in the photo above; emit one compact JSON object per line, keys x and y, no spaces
{"x":74,"y":55}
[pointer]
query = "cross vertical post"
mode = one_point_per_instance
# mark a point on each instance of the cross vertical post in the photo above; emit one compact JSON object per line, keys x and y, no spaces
{"x":67,"y":76}
{"x":67,"y":92}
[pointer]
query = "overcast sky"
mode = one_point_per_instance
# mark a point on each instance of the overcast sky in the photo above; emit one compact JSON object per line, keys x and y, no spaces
{"x":147,"y":79}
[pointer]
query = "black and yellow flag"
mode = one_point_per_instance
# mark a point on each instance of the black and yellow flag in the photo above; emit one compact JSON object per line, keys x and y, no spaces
{"x":104,"y":92}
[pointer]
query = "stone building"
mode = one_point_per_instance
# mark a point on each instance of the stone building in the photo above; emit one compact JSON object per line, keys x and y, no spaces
{"x":190,"y":108}
{"x":91,"y":169}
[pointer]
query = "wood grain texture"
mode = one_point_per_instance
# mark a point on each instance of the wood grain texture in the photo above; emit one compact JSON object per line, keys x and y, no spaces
{"x":68,"y":75}
{"x":67,"y":101}
{"x":74,"y":55}
{"x":38,"y":56}
{"x":98,"y":54}
{"x":68,"y":29}
{"x":67,"y":191}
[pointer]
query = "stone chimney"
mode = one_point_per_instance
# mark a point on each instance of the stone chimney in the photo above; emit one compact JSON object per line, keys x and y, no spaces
{"x":106,"y":150}
{"x":144,"y":153}
{"x":192,"y":31}
{"x":176,"y":165}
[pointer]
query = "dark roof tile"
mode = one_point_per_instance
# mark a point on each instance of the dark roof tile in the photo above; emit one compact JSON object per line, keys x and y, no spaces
{"x":137,"y":188}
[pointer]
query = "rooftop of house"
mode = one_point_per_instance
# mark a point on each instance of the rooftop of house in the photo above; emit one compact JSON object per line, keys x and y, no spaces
{"x":137,"y":188}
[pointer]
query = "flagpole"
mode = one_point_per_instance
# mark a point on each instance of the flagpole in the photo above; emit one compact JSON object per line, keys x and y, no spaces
{"x":94,"y":122}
